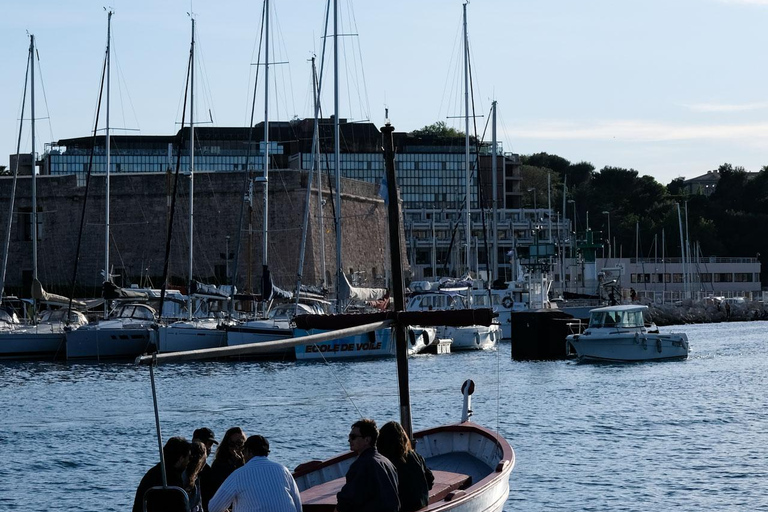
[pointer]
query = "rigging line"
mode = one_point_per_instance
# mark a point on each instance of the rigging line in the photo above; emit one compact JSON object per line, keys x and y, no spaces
{"x":9,"y":220}
{"x":205,"y":82}
{"x":447,"y":80}
{"x":247,"y":172}
{"x":45,"y":96}
{"x":283,"y":51}
{"x":121,"y":78}
{"x":87,"y":188}
{"x":179,"y":149}
{"x":353,"y":60}
{"x":362,"y":68}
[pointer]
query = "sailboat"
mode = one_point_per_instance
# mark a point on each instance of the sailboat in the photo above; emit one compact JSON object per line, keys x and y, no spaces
{"x":42,"y":337}
{"x":129,"y":330}
{"x":472,"y":464}
{"x":195,"y":332}
{"x":457,"y":293}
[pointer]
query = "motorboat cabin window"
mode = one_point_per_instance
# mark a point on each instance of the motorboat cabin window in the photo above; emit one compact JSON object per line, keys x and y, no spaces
{"x":625,"y":319}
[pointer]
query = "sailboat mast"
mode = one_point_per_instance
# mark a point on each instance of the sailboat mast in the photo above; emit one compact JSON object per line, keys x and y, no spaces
{"x":265,"y":227}
{"x":468,"y":225}
{"x":337,"y":148}
{"x":494,"y":181}
{"x":191,"y":168}
{"x":106,"y":177}
{"x":34,"y":166}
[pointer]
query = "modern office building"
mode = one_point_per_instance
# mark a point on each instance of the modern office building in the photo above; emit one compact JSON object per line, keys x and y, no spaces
{"x":432,"y":173}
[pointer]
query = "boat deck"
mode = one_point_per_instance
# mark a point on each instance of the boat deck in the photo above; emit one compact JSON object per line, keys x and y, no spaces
{"x":322,"y":498}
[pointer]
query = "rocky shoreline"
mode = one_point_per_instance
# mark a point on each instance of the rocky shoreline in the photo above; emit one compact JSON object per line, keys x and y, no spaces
{"x":701,"y":312}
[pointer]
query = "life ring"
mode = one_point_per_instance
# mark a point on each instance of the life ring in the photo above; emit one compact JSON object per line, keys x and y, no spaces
{"x":507,"y":302}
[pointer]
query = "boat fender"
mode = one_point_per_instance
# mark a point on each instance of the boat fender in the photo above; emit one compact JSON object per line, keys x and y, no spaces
{"x":468,"y":386}
{"x":658,"y":345}
{"x":412,"y":337}
{"x":637,"y":337}
{"x":507,"y":302}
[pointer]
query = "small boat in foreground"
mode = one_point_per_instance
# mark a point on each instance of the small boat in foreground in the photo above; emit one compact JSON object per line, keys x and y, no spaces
{"x":471,"y":465}
{"x":620,"y":334}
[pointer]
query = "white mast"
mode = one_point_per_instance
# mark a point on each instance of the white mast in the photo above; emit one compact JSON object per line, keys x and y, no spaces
{"x":106,"y":178}
{"x":34,"y":166}
{"x":468,"y":225}
{"x":337,"y":149}
{"x":494,"y":151}
{"x":191,"y":169}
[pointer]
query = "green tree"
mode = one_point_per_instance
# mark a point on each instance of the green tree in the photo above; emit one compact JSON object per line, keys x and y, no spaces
{"x":438,"y":129}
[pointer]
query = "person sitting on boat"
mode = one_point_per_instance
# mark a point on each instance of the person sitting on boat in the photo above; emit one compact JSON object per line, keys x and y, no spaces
{"x":205,"y":436}
{"x":414,"y":477}
{"x":229,"y":457}
{"x":191,"y":475}
{"x":176,"y":454}
{"x":371,"y":480}
{"x":260,"y":485}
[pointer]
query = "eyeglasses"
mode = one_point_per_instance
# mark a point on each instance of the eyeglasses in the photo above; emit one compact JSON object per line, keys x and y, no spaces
{"x":237,"y":444}
{"x":352,"y":437}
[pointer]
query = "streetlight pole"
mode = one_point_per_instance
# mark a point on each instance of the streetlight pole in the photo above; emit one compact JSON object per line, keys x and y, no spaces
{"x":606,"y":212}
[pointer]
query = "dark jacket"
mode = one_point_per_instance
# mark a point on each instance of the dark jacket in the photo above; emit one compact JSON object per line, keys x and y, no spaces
{"x":220,"y":470}
{"x":154,"y":478}
{"x":371,"y":485}
{"x":415,"y":480}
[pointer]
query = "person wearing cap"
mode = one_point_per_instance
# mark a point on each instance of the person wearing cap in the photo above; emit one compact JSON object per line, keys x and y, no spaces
{"x":207,"y":486}
{"x":260,"y":485}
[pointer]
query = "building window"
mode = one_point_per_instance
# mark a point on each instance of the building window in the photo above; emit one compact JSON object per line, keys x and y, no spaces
{"x":677,"y":278}
{"x":723,"y":278}
{"x":742,"y":277}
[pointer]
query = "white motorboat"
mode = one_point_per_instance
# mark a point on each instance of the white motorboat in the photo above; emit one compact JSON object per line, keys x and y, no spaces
{"x":473,"y":337}
{"x":620,"y":334}
{"x":127,"y":333}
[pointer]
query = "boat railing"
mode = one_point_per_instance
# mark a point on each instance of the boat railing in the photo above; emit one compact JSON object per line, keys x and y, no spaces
{"x":576,"y":326}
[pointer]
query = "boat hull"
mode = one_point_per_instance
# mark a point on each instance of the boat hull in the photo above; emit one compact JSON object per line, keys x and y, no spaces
{"x":179,"y":337}
{"x":31,"y":345}
{"x":474,"y":337}
{"x":630,"y":347}
{"x":467,"y":453}
{"x":109,"y":343}
{"x":244,"y":334}
{"x":378,"y":343}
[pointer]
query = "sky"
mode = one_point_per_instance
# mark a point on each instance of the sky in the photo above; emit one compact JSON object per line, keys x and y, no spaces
{"x":670,"y":88}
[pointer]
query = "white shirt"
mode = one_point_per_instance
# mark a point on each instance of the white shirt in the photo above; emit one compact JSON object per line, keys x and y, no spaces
{"x":260,"y":485}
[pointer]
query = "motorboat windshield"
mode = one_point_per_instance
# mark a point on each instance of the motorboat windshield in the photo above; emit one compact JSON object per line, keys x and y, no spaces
{"x":607,"y":317}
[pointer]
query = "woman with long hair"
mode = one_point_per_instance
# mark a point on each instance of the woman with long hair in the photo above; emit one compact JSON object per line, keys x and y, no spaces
{"x":414,"y":477}
{"x":229,"y":457}
{"x":197,"y":456}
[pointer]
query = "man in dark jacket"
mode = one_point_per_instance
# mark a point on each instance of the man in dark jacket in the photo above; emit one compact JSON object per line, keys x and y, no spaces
{"x":371,"y":480}
{"x":176,"y":454}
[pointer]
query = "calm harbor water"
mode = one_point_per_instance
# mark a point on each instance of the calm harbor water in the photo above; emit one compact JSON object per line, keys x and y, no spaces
{"x":689,"y":435}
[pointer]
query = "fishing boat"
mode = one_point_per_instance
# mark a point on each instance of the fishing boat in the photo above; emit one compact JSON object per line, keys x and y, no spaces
{"x":621,"y":334}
